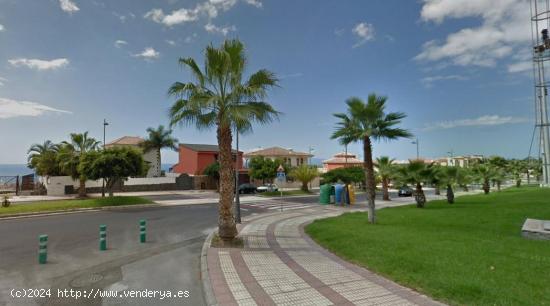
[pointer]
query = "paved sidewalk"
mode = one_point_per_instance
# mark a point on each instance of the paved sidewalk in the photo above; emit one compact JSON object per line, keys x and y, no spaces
{"x":280,"y":265}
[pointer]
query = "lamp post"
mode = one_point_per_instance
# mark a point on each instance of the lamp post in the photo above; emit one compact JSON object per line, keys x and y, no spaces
{"x":417,"y":143}
{"x":237,"y":197}
{"x":310,"y":150}
{"x":105,"y":124}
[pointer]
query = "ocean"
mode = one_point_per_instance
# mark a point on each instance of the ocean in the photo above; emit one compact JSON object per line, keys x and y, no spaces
{"x":14,"y":169}
{"x":22,"y":169}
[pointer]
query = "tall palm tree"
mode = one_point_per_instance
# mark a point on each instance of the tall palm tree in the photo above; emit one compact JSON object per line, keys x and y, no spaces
{"x":218,"y":97}
{"x":42,"y":158}
{"x":158,"y":139}
{"x":368,"y":122}
{"x":386,"y":171}
{"x":72,"y":153}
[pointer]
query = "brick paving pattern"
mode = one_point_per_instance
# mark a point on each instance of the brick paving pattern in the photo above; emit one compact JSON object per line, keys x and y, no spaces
{"x":280,"y":265}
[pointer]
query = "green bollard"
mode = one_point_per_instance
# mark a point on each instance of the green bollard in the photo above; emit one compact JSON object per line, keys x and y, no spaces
{"x":142,"y":231}
{"x":103,"y":237}
{"x":43,"y":249}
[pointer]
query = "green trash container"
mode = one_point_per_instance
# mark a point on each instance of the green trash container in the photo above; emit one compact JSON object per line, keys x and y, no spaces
{"x":324,"y":194}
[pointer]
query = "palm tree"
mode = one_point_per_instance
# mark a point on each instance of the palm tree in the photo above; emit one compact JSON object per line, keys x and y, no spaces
{"x":485,"y":174}
{"x":304,"y":174}
{"x":415,"y":173}
{"x":450,"y":176}
{"x":465,"y":177}
{"x":368,"y":122}
{"x":516,"y":169}
{"x":218,"y":97}
{"x":159,"y":139}
{"x":72,"y":153}
{"x":435,"y":178}
{"x":42,"y":158}
{"x":386,"y":171}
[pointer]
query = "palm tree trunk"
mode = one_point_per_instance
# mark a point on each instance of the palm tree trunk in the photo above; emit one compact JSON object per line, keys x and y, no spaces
{"x":437,"y":190}
{"x":159,"y":165}
{"x":419,"y":196}
{"x":304,"y":186}
{"x":450,"y":194}
{"x":386,"y":194}
{"x":369,"y":177}
{"x":486,"y":186}
{"x":498,"y":185}
{"x":82,"y":188}
{"x":227,"y":230}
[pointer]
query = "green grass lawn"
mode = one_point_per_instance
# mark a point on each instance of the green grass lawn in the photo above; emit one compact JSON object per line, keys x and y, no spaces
{"x":71,"y":204}
{"x":285,"y":193}
{"x":469,"y":253}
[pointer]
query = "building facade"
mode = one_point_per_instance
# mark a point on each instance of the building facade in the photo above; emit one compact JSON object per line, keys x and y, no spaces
{"x":151,"y":157}
{"x":194,"y":158}
{"x":288,"y":156}
{"x":342,"y":160}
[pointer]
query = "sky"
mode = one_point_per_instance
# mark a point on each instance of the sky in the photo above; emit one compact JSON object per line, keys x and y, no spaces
{"x":459,"y":69}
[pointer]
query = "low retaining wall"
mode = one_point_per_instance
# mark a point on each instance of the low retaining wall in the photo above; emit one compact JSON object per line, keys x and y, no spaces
{"x":62,"y":185}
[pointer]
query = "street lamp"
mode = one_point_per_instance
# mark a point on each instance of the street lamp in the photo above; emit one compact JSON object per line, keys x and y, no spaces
{"x":417,"y":143}
{"x":237,"y":197}
{"x":105,"y":124}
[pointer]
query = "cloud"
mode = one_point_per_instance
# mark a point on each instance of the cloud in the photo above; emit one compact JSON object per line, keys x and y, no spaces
{"x":364,"y":31}
{"x":68,"y":6}
{"x":40,"y":64}
{"x":428,"y":81}
{"x":170,"y":42}
{"x":2,"y":80}
{"x":119,"y":43}
{"x":255,"y":3}
{"x":211,"y":28}
{"x":487,"y":120}
{"x":208,"y":9}
{"x":2,"y":28}
{"x":504,"y":29}
{"x":148,"y":54}
{"x":520,"y":66}
{"x":13,"y":108}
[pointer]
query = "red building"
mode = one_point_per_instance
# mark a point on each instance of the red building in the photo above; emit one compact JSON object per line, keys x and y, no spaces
{"x":194,"y":158}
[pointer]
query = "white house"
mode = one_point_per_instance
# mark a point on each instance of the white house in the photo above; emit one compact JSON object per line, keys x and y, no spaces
{"x":151,"y":157}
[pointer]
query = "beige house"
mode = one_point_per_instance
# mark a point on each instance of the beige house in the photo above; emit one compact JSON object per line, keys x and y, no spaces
{"x":459,"y":161}
{"x":151,"y":157}
{"x":288,"y":156}
{"x":342,"y":160}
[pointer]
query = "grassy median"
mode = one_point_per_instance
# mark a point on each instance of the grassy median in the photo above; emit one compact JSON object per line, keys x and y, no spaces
{"x":61,"y":205}
{"x":468,"y":253}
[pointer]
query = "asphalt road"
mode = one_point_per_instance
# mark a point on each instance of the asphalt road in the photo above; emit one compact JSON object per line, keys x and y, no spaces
{"x":168,"y":261}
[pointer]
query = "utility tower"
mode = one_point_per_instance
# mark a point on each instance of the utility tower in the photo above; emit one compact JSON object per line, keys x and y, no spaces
{"x":540,"y":26}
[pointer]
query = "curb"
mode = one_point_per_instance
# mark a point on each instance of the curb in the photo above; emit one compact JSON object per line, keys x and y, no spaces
{"x":207,"y":290}
{"x":74,"y":211}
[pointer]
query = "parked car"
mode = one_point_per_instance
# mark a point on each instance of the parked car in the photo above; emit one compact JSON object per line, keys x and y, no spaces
{"x":405,"y":191}
{"x":247,"y":188}
{"x":268,"y":187}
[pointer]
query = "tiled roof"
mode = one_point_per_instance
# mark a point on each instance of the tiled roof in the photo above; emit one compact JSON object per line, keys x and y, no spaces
{"x":340,"y":158}
{"x":125,"y":141}
{"x":276,"y":151}
{"x":202,"y":147}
